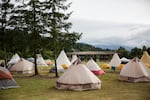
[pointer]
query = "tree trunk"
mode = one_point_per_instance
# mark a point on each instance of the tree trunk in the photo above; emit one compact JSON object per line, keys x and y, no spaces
{"x":35,"y":63}
{"x":56,"y":72}
{"x":35,"y":38}
{"x":5,"y":57}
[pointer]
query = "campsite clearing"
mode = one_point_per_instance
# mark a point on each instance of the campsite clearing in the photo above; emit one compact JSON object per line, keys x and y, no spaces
{"x":41,"y":88}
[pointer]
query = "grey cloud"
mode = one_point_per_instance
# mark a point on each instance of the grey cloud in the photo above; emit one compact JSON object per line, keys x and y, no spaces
{"x":107,"y":33}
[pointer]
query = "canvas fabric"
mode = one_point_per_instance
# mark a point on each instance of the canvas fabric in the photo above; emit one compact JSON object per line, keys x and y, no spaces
{"x":74,"y":58}
{"x":8,"y":83}
{"x":61,"y":60}
{"x":93,"y":66}
{"x":78,"y":87}
{"x":6,"y":79}
{"x":135,"y":71}
{"x":15,"y":58}
{"x":22,"y":66}
{"x":115,"y":61}
{"x":78,"y":77}
{"x":40,"y":60}
{"x":145,"y":58}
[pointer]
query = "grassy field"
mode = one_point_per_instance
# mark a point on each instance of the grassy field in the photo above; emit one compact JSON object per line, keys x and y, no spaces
{"x":43,"y":88}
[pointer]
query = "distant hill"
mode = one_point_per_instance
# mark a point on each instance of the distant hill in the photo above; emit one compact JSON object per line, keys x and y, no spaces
{"x":88,"y":47}
{"x":112,"y":47}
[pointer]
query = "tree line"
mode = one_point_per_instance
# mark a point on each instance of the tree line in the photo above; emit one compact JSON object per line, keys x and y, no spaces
{"x":122,"y":51}
{"x":134,"y":52}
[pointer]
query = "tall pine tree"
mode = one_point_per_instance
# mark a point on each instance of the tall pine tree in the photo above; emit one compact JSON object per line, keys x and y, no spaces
{"x":56,"y":23}
{"x":27,"y":18}
{"x":5,"y":14}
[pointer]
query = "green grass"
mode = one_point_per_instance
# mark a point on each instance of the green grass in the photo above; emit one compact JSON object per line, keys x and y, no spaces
{"x":43,"y":88}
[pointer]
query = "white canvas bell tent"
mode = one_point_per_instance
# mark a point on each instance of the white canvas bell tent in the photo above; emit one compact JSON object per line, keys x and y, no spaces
{"x":40,"y":60}
{"x":78,"y":77}
{"x":74,"y":58}
{"x":94,"y":67}
{"x":62,"y":62}
{"x":115,"y":61}
{"x":15,"y":58}
{"x":135,"y":71}
{"x":6,"y":79}
{"x":146,"y":58}
{"x":22,"y":67}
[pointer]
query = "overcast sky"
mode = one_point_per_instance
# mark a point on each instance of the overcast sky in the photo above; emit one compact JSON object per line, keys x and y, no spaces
{"x":112,"y":22}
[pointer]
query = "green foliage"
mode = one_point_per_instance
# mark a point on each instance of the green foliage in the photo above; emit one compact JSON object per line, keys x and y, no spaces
{"x":5,"y":15}
{"x":136,"y":52}
{"x":57,"y":25}
{"x":123,"y":52}
{"x":144,"y":48}
{"x":85,"y":47}
{"x":148,"y":50}
{"x":47,"y":54}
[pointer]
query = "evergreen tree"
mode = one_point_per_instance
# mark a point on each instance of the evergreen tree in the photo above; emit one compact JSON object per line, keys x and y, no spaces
{"x":136,"y":52}
{"x":27,"y":18}
{"x":55,"y":13}
{"x":123,"y":52}
{"x":5,"y":14}
{"x":144,"y":48}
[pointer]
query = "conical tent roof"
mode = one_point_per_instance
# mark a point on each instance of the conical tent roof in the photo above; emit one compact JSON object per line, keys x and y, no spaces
{"x":6,"y":79}
{"x":61,"y":60}
{"x":40,"y":60}
{"x":15,"y":58}
{"x":78,"y":77}
{"x":94,"y":67}
{"x":23,"y":66}
{"x":145,"y":58}
{"x":135,"y":70}
{"x":115,"y":61}
{"x":74,"y":58}
{"x":4,"y":73}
